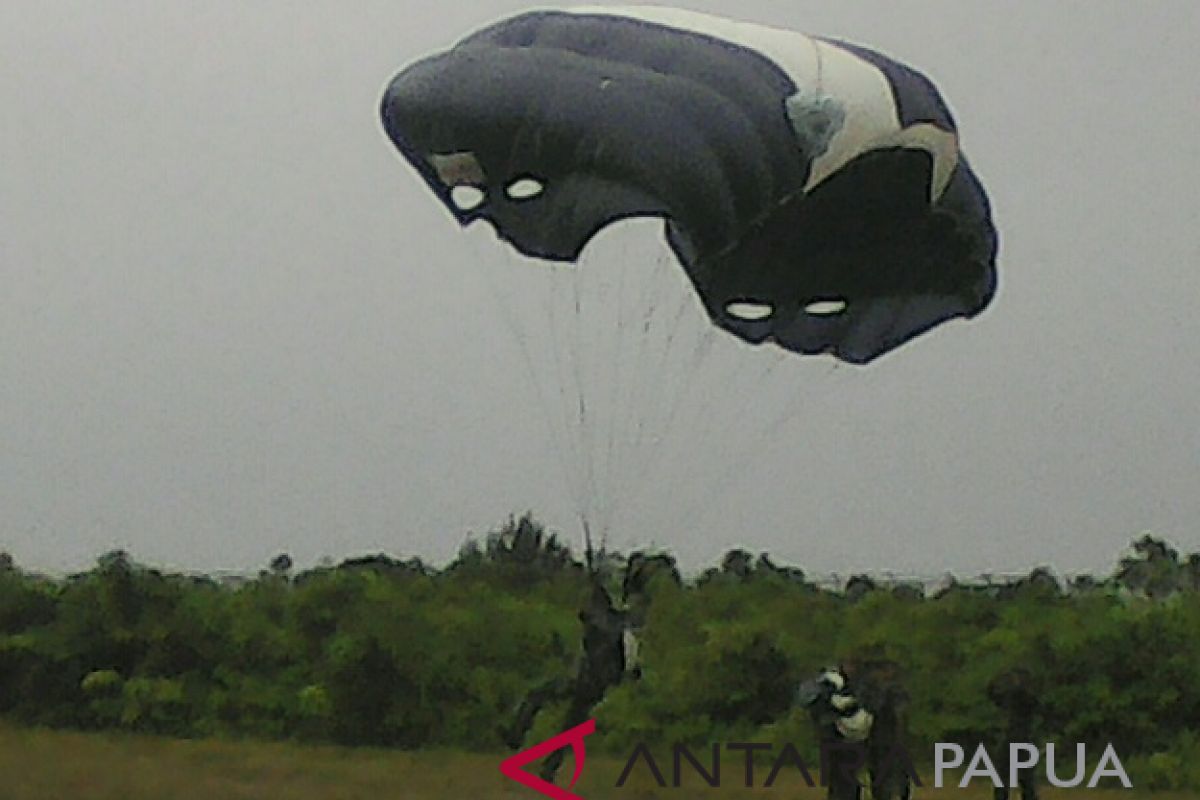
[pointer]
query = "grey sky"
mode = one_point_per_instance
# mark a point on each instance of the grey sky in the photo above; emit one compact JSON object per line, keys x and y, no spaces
{"x":234,"y":323}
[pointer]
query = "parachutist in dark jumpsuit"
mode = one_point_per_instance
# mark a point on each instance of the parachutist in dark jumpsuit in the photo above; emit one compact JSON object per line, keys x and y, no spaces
{"x":1014,"y":694}
{"x":842,"y":725}
{"x":602,"y":666}
{"x":859,"y":722}
{"x":607,"y":651}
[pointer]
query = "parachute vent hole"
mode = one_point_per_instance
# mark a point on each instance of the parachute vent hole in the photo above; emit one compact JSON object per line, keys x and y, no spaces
{"x":825,"y":308}
{"x":525,"y":189}
{"x":467,"y":198}
{"x":749,"y":311}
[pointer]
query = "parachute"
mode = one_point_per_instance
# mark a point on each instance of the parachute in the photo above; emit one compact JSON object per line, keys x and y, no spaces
{"x":813,"y":191}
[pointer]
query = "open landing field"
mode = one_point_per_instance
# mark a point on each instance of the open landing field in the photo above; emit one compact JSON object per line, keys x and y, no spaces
{"x":46,"y":765}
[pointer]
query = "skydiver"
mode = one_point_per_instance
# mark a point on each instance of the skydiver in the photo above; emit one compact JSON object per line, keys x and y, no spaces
{"x":603,"y":666}
{"x":858,"y":711}
{"x":842,"y":725}
{"x":610,"y":652}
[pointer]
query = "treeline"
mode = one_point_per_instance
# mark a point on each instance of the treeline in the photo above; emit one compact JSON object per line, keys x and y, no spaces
{"x":390,"y":652}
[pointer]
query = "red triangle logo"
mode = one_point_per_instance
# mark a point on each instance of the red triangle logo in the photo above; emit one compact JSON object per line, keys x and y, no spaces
{"x":511,"y":767}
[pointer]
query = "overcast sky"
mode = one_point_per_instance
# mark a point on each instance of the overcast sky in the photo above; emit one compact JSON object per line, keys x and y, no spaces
{"x":233,"y":322}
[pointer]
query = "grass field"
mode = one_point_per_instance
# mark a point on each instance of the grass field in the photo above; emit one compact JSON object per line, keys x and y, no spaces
{"x":49,"y":765}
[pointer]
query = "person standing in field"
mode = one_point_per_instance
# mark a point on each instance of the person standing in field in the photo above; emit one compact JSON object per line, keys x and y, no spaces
{"x":881,"y":689}
{"x":1014,"y":694}
{"x":858,"y":710}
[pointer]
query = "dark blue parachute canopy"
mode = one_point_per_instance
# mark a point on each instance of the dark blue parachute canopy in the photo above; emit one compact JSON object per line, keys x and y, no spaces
{"x":813,"y":190}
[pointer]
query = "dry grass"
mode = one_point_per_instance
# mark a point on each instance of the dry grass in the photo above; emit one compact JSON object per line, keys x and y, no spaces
{"x":47,"y":765}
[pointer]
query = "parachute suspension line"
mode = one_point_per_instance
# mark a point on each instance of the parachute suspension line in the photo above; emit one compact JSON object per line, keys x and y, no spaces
{"x":565,"y":408}
{"x":675,"y":396}
{"x":602,"y":320}
{"x":609,"y":498}
{"x":612,"y":348}
{"x":571,"y":405}
{"x":655,"y":380}
{"x":515,"y":321}
{"x":764,"y":438}
{"x":555,"y":418}
{"x":574,"y":362}
{"x":679,"y":404}
{"x":589,"y":553}
{"x":636,"y":384}
{"x":610,"y":401}
{"x":663,"y":391}
{"x":520,"y":312}
{"x":745,"y":368}
{"x":586,"y":421}
{"x":759,"y":369}
{"x":661,"y":365}
{"x":649,"y":397}
{"x":628,"y":385}
{"x":645,"y":395}
{"x":619,"y":411}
